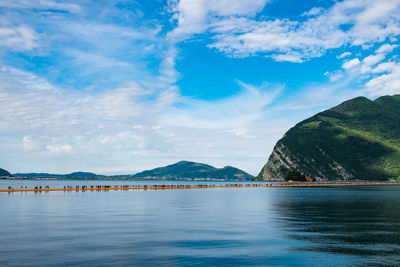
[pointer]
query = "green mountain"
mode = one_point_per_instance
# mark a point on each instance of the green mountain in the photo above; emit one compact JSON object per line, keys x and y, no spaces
{"x":180,"y":170}
{"x":191,"y":170}
{"x":358,"y":139}
{"x":83,"y":175}
{"x":4,"y":173}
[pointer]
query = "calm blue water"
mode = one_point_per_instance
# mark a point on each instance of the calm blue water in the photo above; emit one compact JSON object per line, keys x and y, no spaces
{"x":337,"y":226}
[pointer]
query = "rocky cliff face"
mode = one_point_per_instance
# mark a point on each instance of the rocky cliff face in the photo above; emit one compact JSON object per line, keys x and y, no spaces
{"x":279,"y":163}
{"x":282,"y":160}
{"x":358,"y":139}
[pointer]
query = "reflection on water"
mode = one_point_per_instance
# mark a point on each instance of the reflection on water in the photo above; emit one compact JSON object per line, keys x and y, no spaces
{"x":231,"y":226}
{"x":357,"y":221}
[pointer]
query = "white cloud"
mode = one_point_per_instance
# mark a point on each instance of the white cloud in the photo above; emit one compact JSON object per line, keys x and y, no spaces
{"x":345,"y":54}
{"x":373,"y":59}
{"x":84,"y":54}
{"x":18,"y":38}
{"x":131,"y":127}
{"x":85,"y":45}
{"x":351,"y":64}
{"x":29,"y":80}
{"x":372,"y":76}
{"x":388,"y":82}
{"x":318,"y":97}
{"x":57,"y":149}
{"x":289,"y":58}
{"x":213,"y":115}
{"x":239,"y":35}
{"x":279,"y":37}
{"x":313,"y":11}
{"x":167,"y":66}
{"x":334,"y":76}
{"x":93,"y":62}
{"x":90,"y":32}
{"x":29,"y":144}
{"x":193,"y":16}
{"x":386,"y":48}
{"x":384,"y":67}
{"x":41,"y":4}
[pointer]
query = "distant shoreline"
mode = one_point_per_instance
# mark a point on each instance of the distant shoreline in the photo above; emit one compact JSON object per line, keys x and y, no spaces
{"x":181,"y":186}
{"x":120,"y":179}
{"x":108,"y":178}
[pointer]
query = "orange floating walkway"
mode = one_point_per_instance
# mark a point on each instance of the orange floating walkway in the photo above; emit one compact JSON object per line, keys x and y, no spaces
{"x":158,"y":187}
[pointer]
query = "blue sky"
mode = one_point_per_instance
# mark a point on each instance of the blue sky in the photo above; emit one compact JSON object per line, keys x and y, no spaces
{"x":121,"y":86}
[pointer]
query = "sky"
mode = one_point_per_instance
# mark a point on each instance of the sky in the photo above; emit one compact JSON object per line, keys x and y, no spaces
{"x":117,"y":87}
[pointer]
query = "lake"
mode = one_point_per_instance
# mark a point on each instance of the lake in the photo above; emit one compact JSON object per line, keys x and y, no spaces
{"x":323,"y":226}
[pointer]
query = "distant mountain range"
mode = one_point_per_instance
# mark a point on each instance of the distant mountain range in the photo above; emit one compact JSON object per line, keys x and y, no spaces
{"x":187,"y":169}
{"x":180,"y":170}
{"x":4,"y":173}
{"x":70,"y":175}
{"x":358,"y":139}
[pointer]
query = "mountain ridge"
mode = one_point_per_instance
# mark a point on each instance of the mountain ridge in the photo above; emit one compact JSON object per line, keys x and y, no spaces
{"x":4,"y":173}
{"x":179,"y":170}
{"x":188,"y":169}
{"x":357,"y":139}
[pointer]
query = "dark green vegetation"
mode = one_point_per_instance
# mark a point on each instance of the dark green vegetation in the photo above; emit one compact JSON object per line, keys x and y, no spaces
{"x":187,"y":169}
{"x":295,"y":176}
{"x":4,"y":173}
{"x":180,"y":170}
{"x":358,"y":139}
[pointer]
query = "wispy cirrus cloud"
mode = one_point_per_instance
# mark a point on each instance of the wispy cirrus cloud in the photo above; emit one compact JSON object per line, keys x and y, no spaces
{"x":19,"y":38}
{"x":82,"y":47}
{"x":42,"y":5}
{"x":132,"y":124}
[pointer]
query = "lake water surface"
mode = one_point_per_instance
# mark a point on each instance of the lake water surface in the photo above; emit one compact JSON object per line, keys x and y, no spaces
{"x":323,"y":226}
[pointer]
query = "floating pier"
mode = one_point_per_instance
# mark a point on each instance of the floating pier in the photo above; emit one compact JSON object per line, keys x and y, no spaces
{"x":198,"y":186}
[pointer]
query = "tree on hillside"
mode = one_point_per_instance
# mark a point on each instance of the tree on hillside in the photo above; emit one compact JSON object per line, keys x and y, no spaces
{"x":295,"y":176}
